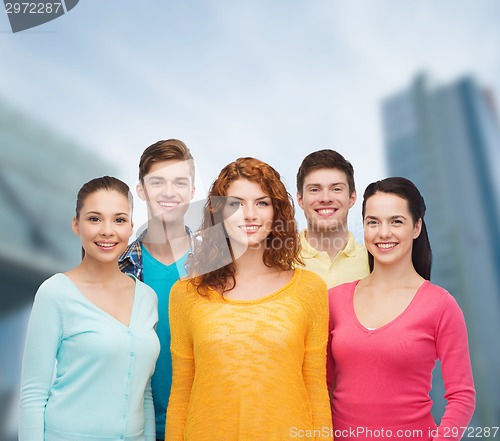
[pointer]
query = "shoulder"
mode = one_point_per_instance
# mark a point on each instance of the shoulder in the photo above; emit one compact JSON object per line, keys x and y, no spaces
{"x":443,"y":301}
{"x":310,"y":290}
{"x":133,"y":251}
{"x":310,"y":279}
{"x":183,"y":291}
{"x":53,"y":293}
{"x":306,"y":249}
{"x":53,"y":286}
{"x":342,"y":291}
{"x":143,"y":289}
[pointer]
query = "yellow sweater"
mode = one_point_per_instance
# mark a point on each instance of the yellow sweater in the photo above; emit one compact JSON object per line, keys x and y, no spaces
{"x":250,"y":370}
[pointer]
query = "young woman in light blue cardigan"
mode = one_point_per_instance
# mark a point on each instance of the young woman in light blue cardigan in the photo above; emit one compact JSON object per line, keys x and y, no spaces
{"x":91,"y":345}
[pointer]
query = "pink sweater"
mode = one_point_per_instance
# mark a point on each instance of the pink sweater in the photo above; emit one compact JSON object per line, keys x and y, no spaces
{"x":383,"y":377}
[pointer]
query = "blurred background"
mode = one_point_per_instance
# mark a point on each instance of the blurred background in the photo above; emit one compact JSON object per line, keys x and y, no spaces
{"x":399,"y":88}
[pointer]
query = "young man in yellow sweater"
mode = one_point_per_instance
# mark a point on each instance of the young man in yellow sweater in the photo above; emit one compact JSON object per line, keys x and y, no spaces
{"x":326,"y":192}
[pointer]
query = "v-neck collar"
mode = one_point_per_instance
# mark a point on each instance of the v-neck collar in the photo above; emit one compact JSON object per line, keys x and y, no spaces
{"x":102,"y":311}
{"x":395,"y":319}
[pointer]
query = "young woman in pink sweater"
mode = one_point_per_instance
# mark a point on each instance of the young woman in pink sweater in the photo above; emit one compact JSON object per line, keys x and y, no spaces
{"x":388,"y":329}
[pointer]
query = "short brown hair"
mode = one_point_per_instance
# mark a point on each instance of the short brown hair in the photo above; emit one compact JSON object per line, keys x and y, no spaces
{"x":165,"y":150}
{"x":326,"y":158}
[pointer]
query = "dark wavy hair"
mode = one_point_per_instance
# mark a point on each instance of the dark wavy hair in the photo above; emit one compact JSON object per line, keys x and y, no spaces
{"x":214,"y":245}
{"x":421,"y":252}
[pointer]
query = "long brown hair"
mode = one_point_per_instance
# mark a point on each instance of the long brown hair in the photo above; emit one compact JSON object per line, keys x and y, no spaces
{"x":282,"y":246}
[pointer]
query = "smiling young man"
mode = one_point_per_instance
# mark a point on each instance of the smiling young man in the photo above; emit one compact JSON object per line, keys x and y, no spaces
{"x":326,"y":192}
{"x":158,"y":256}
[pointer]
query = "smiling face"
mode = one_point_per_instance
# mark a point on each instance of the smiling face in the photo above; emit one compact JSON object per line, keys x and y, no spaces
{"x":168,"y":188}
{"x":326,"y":199}
{"x":248,"y":213}
{"x":389,"y":229}
{"x":104,"y":225}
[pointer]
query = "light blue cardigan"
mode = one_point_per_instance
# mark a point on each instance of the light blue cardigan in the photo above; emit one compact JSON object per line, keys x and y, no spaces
{"x":101,"y":389}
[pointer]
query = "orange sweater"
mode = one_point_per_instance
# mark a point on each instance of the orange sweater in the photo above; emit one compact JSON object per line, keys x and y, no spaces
{"x":250,"y":370}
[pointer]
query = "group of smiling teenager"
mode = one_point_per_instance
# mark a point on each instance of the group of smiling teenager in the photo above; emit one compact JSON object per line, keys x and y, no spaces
{"x":250,"y":330}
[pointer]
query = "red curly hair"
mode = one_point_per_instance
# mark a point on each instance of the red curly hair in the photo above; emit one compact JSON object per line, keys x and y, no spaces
{"x":214,"y":246}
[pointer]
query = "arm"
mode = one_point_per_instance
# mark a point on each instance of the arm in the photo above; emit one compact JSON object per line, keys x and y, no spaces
{"x":182,"y":363}
{"x":330,"y":362}
{"x":453,"y":351}
{"x":149,"y":414}
{"x":43,"y":338}
{"x":314,"y":365}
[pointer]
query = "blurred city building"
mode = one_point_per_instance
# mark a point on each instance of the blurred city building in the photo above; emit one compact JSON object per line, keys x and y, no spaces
{"x":40,"y":175}
{"x":446,"y":139}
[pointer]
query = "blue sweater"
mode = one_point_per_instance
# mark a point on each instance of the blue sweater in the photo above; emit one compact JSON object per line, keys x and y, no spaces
{"x":101,"y":389}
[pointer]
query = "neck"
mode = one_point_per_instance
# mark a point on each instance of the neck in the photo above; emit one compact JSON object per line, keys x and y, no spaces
{"x":98,"y":272}
{"x":402,"y":273}
{"x":160,"y":232}
{"x":250,"y":262}
{"x":329,"y":241}
{"x":166,"y":242}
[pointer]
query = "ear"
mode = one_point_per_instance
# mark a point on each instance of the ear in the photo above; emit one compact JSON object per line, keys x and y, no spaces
{"x":75,"y":226}
{"x":140,"y":191}
{"x":300,"y":201}
{"x":193,"y":190}
{"x":417,"y":229}
{"x":352,"y":199}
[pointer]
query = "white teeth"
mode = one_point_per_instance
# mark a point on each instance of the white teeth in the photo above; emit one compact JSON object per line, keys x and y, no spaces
{"x":168,"y":204}
{"x":106,"y":245}
{"x":249,"y":227}
{"x":386,"y":246}
{"x":326,"y":211}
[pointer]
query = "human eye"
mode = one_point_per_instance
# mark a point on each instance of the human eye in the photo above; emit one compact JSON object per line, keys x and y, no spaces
{"x":370,"y":222}
{"x":93,"y":219}
{"x":234,"y":203}
{"x":313,"y":189}
{"x":263,"y":203}
{"x":120,"y":220}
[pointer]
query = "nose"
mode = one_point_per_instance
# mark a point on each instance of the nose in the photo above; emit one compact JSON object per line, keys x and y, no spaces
{"x":325,"y":195}
{"x":248,"y":211}
{"x":384,"y":230}
{"x":168,"y":189}
{"x":107,"y":228}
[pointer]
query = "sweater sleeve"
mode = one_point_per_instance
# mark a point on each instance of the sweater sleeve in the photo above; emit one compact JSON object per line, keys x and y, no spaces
{"x":43,"y":337}
{"x":182,"y":363}
{"x":314,"y":365}
{"x":453,"y":351}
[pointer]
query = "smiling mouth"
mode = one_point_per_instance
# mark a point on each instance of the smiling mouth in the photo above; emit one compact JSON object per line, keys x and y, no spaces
{"x":107,"y":245}
{"x":168,"y":204}
{"x":386,"y":246}
{"x":249,"y":228}
{"x":326,"y":211}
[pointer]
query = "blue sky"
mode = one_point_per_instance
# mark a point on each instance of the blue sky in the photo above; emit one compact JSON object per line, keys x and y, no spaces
{"x":270,"y":79}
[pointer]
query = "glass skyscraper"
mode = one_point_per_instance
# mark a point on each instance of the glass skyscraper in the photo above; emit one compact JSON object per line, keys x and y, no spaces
{"x":446,"y":139}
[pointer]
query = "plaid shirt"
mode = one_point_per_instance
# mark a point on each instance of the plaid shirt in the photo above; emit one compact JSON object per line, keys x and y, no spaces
{"x":130,"y":261}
